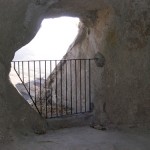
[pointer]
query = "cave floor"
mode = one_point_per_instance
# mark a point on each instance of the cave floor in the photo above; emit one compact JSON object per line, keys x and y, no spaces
{"x":84,"y":138}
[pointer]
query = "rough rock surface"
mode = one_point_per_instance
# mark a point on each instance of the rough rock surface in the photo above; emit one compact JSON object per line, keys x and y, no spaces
{"x":120,"y":30}
{"x":120,"y":90}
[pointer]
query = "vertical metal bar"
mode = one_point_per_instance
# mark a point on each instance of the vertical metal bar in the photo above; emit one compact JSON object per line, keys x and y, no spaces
{"x":14,"y":65}
{"x":18,"y":68}
{"x":90,"y":85}
{"x":61,"y":62}
{"x":85,"y":82}
{"x":51,"y":89}
{"x":71,"y":83}
{"x":56,"y":89}
{"x":23,"y":71}
{"x":66,"y":89}
{"x":34,"y":83}
{"x":45,"y":91}
{"x":76,"y":85}
{"x":40,"y":86}
{"x":29,"y":76}
{"x":80,"y":89}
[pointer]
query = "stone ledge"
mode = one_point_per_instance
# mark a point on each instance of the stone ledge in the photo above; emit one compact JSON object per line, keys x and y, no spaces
{"x":70,"y":121}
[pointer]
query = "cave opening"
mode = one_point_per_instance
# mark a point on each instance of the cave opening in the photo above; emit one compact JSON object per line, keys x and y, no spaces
{"x":50,"y":43}
{"x":52,"y":40}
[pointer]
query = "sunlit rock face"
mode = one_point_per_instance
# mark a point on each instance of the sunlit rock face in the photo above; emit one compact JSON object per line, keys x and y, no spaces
{"x":118,"y":29}
{"x":120,"y":89}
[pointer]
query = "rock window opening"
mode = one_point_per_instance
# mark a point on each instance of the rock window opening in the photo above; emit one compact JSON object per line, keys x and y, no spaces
{"x":50,"y":43}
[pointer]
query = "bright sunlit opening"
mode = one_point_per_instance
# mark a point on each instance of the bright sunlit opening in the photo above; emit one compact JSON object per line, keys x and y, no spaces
{"x":52,"y":41}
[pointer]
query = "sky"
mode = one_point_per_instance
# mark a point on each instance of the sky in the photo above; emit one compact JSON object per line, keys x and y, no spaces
{"x":52,"y":40}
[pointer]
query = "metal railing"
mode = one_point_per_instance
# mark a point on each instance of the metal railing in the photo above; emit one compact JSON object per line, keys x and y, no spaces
{"x":57,"y":87}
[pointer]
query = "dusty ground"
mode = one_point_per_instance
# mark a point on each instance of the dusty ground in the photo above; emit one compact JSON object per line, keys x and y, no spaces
{"x":84,"y":138}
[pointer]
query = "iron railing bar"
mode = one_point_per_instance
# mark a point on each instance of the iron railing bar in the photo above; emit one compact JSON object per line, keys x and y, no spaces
{"x":23,"y":71}
{"x":56,"y":88}
{"x":18,"y":68}
{"x":66,"y":90}
{"x":71,"y":83}
{"x":40,"y":86}
{"x":51,"y":90}
{"x":89,"y":85}
{"x":76,"y":85}
{"x":85,"y":82}
{"x":45,"y":89}
{"x":80,"y":89}
{"x":57,"y":60}
{"x":61,"y":88}
{"x":34,"y":83}
{"x":29,"y":75}
{"x":14,"y":65}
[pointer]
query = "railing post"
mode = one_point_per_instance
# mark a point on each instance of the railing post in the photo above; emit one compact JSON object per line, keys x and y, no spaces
{"x":45,"y":90}
{"x":90,"y":85}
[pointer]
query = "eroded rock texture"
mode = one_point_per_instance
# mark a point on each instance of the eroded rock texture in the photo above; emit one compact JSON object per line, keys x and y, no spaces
{"x":19,"y":24}
{"x":120,"y":30}
{"x":121,"y":88}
